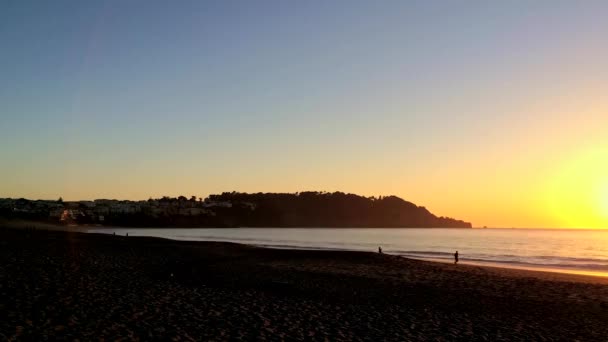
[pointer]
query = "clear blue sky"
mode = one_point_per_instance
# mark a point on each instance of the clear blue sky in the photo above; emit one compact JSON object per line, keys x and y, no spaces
{"x":443,"y":103}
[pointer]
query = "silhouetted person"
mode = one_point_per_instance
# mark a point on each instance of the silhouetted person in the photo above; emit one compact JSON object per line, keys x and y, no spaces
{"x":456,"y":258}
{"x":127,"y":234}
{"x":379,"y":249}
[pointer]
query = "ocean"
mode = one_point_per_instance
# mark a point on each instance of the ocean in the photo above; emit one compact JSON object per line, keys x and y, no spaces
{"x":571,"y":251}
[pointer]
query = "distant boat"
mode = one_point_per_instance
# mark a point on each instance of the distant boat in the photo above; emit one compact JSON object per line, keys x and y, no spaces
{"x":484,"y":227}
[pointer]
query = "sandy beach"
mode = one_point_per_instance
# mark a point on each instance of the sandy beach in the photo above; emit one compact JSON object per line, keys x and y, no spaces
{"x":72,"y":286}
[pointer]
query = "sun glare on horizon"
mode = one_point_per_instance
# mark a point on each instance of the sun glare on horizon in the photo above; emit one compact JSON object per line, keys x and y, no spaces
{"x":603,"y":199}
{"x":577,"y":195}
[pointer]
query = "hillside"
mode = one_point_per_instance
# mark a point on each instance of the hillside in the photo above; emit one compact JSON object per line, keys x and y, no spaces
{"x":321,"y":209}
{"x":235,"y":209}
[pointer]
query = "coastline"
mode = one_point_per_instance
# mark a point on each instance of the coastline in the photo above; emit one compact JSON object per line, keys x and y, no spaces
{"x":21,"y":224}
{"x":75,"y":285}
{"x":554,"y":272}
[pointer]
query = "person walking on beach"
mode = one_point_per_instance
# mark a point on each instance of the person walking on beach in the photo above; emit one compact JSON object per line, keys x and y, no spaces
{"x":380,"y":249}
{"x":456,"y":258}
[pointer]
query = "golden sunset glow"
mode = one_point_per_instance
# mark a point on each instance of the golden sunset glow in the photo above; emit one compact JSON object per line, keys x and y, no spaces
{"x":502,"y":122}
{"x":602,"y":198}
{"x":577,"y":196}
{"x":337,"y":170}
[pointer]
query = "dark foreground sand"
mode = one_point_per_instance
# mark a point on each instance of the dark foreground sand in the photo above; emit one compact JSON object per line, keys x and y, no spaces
{"x":56,"y":286}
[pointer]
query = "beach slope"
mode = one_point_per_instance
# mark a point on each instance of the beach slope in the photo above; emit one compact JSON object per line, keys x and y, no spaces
{"x":58,"y":285}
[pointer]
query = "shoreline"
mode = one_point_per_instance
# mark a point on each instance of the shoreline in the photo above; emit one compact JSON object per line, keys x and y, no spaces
{"x":19,"y":223}
{"x":505,"y":265}
{"x":523,"y":271}
{"x":540,"y":272}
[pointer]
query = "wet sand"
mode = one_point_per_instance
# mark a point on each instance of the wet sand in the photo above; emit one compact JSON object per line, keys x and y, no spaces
{"x":71,"y":286}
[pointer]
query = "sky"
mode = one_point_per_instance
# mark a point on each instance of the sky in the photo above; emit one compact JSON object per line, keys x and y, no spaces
{"x":490,"y":112}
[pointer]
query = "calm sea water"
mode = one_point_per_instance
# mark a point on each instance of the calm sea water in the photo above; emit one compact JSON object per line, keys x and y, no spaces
{"x":583,"y":251}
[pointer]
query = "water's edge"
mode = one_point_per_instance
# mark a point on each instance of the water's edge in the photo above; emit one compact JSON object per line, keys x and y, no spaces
{"x":482,"y":249}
